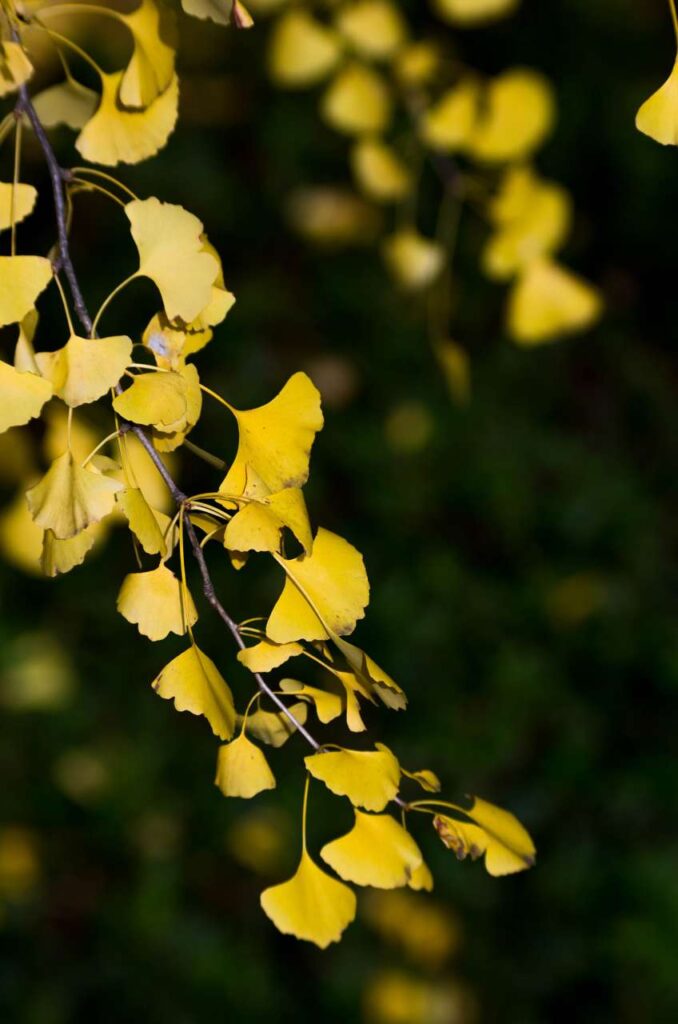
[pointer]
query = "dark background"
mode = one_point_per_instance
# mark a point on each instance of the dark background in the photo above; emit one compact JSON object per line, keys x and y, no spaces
{"x":521,"y":556}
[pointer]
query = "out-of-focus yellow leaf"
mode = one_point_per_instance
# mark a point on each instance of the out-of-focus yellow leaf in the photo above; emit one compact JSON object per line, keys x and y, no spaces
{"x":421,"y":879}
{"x":377,"y":851}
{"x":152,"y":601}
{"x":357,"y":101}
{"x":18,"y":202}
{"x":195,"y":684}
{"x":20,"y":536}
{"x":15,"y":67}
{"x":547,"y":302}
{"x":312,"y":905}
{"x":70,"y":498}
{"x":507,"y":846}
{"x":22,"y":278}
{"x":449,"y":123}
{"x":414,"y":261}
{"x":473,"y":12}
{"x":218,"y":11}
{"x":242,"y":769}
{"x":265,"y":655}
{"x":303,"y":51}
{"x":518,"y":111}
{"x":151,"y":67}
{"x":67,"y":103}
{"x":379,"y":171}
{"x":427,"y":932}
{"x":417,"y":63}
{"x":332,"y":216}
{"x":658,"y":116}
{"x":374,"y":29}
{"x":22,"y":396}
{"x":369,"y":778}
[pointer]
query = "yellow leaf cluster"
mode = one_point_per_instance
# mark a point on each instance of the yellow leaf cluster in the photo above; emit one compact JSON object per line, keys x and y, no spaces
{"x":496,"y":833}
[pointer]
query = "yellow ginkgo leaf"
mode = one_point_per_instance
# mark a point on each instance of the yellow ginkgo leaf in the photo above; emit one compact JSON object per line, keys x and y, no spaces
{"x":448,"y":124}
{"x":22,"y":278}
{"x":114,"y":135}
{"x":369,"y":778}
{"x":517,"y":114}
{"x":85,"y":369}
{"x":547,"y":302}
{"x":507,"y":846}
{"x":258,"y":525}
{"x":328,"y":705}
{"x":332,"y":217}
{"x":221,"y":301}
{"x":218,"y":11}
{"x":242,"y":769}
{"x":658,"y":116}
{"x":274,"y":727}
{"x":143,"y":521}
{"x":427,"y":779}
{"x":145,"y":474}
{"x":171,"y":253}
{"x":154,"y":399}
{"x":417,"y":63}
{"x":357,"y":101}
{"x":151,"y":67}
{"x":22,"y":396}
{"x":414,"y":261}
{"x":371,"y":676}
{"x":374,"y":29}
{"x":194,"y":683}
{"x":326,"y":591}
{"x":265,"y":656}
{"x":312,"y":905}
{"x":70,"y":498}
{"x":275,"y":439}
{"x":379,"y":171}
{"x":67,"y":103}
{"x":15,"y":67}
{"x":303,"y":51}
{"x":473,"y":12}
{"x":16,"y":203}
{"x":421,"y":878}
{"x":152,"y":601}
{"x":377,"y":851}
{"x":24,"y":353}
{"x":167,"y":439}
{"x":171,"y":342}
{"x":59,"y":556}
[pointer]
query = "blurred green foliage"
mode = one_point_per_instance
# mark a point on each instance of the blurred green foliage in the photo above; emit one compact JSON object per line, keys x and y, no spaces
{"x":522,"y":557}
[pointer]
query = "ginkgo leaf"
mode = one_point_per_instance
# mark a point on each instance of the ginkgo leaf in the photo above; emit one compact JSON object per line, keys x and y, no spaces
{"x":517,"y":113}
{"x":16,"y":203}
{"x":166,"y":439}
{"x":59,"y":556}
{"x":369,"y":778}
{"x":357,"y":101}
{"x":22,"y":278}
{"x":152,"y":601}
{"x":154,"y":399}
{"x":70,"y":498}
{"x":473,"y":12}
{"x":274,"y":727}
{"x":377,"y":851}
{"x":332,"y":216}
{"x":143,"y":521}
{"x":417,"y":63}
{"x":24,"y":353}
{"x":379,"y":171}
{"x":68,"y":103}
{"x":414,"y":261}
{"x":658,"y":116}
{"x":547,"y":302}
{"x":151,"y":66}
{"x":214,"y":10}
{"x":421,"y":878}
{"x":303,"y":51}
{"x":371,"y":676}
{"x":171,"y":342}
{"x":375,"y":29}
{"x":328,"y":705}
{"x":171,"y":253}
{"x":22,"y":396}
{"x":427,"y":779}
{"x":275,"y":439}
{"x":507,"y":846}
{"x":194,"y":683}
{"x":221,"y":301}
{"x":114,"y":135}
{"x":85,"y":369}
{"x":325,"y":591}
{"x":15,"y":67}
{"x":265,"y":656}
{"x":242,"y":769}
{"x":258,"y":525}
{"x":448,"y":124}
{"x":312,"y":905}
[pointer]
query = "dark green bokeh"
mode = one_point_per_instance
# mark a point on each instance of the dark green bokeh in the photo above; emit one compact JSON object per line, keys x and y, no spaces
{"x":561,"y":467}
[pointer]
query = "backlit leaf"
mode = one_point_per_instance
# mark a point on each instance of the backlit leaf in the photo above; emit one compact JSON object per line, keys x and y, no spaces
{"x":242,"y":769}
{"x":266,"y":655}
{"x":22,"y":278}
{"x":70,"y":498}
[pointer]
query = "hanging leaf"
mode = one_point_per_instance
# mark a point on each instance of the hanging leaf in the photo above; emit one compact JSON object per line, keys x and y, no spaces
{"x":152,"y":601}
{"x":312,"y":905}
{"x":70,"y":498}
{"x":369,"y":778}
{"x":377,"y":851}
{"x":195,"y":684}
{"x":242,"y":769}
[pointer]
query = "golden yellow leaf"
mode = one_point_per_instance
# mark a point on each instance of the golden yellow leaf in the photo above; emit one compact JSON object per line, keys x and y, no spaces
{"x":15,"y":67}
{"x":145,"y":475}
{"x":417,"y":63}
{"x":151,"y":68}
{"x":374,"y":29}
{"x":24,"y":353}
{"x":152,"y":601}
{"x":473,"y":12}
{"x":275,"y":439}
{"x":414,"y":261}
{"x":59,"y":556}
{"x":242,"y":769}
{"x":369,"y":778}
{"x":194,"y":683}
{"x":22,"y":278}
{"x":167,"y":439}
{"x":221,"y":301}
{"x":70,"y":498}
{"x":421,"y":878}
{"x":370,"y":676}
{"x":658,"y":116}
{"x":327,"y":705}
{"x":171,"y":342}
{"x":18,"y":201}
{"x":274,"y":727}
{"x":332,"y":216}
{"x":547,"y":302}
{"x":427,"y":779}
{"x":517,"y":114}
{"x":357,"y":101}
{"x":155,"y":399}
{"x":171,"y":253}
{"x":20,"y":537}
{"x":449,"y":123}
{"x":303,"y":51}
{"x":265,"y":655}
{"x":326,"y":591}
{"x":85,"y":369}
{"x":379,"y":171}
{"x":22,"y":396}
{"x":143,"y":521}
{"x":507,"y":846}
{"x":258,"y":525}
{"x":67,"y":103}
{"x":377,"y":851}
{"x":114,"y":135}
{"x":312,"y":905}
